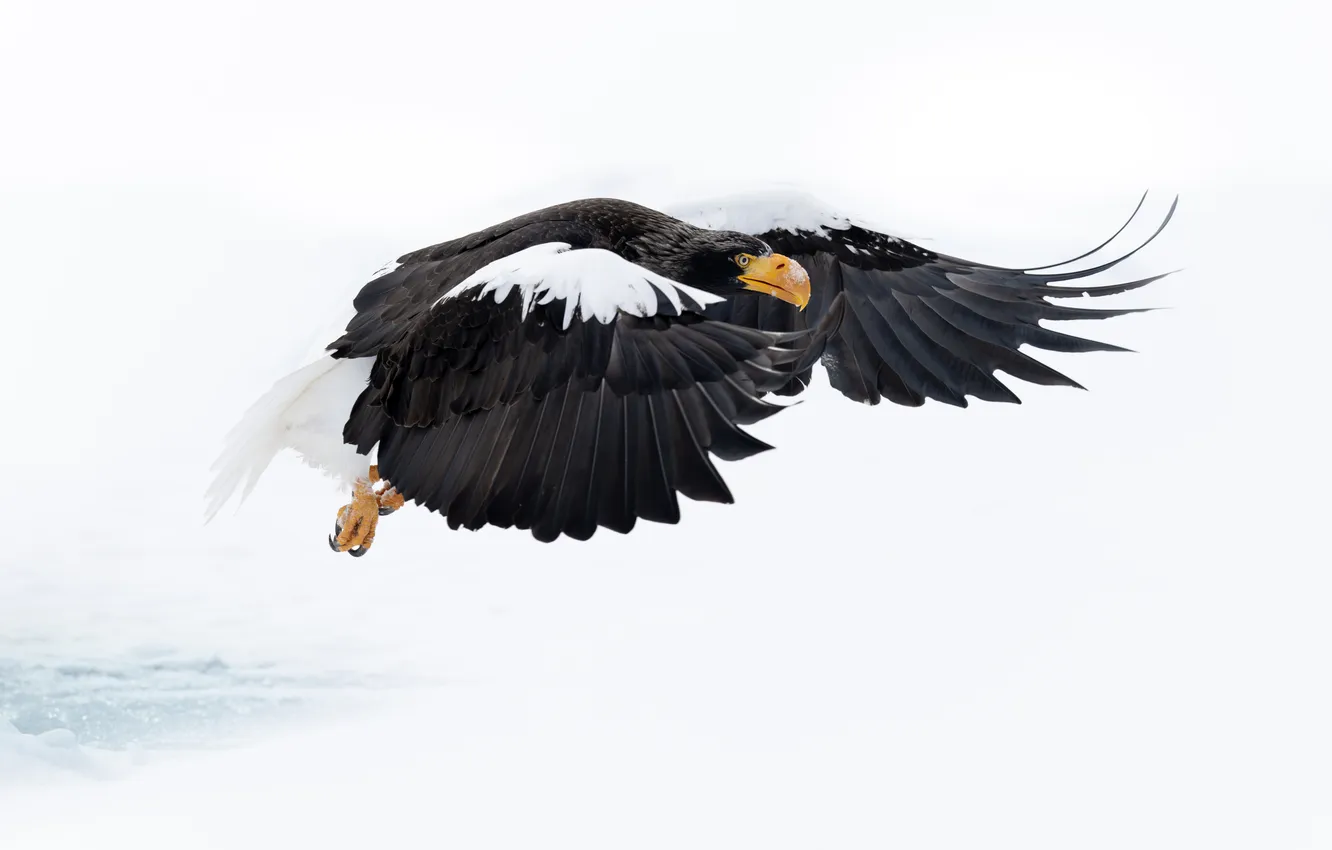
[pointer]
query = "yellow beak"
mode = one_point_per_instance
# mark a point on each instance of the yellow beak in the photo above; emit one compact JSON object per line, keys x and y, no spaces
{"x":778,"y":276}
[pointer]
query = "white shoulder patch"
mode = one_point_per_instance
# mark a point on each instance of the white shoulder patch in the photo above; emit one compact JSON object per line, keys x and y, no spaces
{"x":592,"y":282}
{"x":760,"y":212}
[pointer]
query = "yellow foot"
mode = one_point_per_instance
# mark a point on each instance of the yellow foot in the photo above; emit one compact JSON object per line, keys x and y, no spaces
{"x":354,"y":531}
{"x":372,"y":498}
{"x":389,"y":498}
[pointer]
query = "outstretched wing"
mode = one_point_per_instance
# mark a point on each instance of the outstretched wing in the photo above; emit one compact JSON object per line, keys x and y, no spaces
{"x":562,"y":389}
{"x":900,"y":322}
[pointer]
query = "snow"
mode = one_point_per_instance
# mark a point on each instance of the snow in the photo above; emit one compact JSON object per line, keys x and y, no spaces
{"x":54,"y":753}
{"x":1094,"y":620}
{"x":592,"y":283}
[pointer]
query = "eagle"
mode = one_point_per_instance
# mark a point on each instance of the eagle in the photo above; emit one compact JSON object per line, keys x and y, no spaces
{"x":581,"y":366}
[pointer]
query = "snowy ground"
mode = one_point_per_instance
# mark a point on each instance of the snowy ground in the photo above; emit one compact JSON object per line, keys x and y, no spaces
{"x":1093,"y":620}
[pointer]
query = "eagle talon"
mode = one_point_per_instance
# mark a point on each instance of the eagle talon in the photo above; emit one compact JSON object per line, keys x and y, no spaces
{"x":354,"y":528}
{"x":389,"y":500}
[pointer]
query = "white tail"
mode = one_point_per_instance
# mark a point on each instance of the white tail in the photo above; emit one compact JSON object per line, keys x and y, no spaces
{"x":304,"y":411}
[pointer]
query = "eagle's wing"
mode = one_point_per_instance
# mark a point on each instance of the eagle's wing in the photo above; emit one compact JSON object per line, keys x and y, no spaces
{"x":562,"y":389}
{"x":900,"y":322}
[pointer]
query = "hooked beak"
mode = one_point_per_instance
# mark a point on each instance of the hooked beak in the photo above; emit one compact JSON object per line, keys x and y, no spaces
{"x":778,"y":276}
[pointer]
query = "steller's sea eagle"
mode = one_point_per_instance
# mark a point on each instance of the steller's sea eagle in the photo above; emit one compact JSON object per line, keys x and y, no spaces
{"x":575,"y":367}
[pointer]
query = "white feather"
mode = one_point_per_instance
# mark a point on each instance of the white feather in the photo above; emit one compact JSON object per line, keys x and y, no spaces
{"x":593,"y":283}
{"x":304,"y":411}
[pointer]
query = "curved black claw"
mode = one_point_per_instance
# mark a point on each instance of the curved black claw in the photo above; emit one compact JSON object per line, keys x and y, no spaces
{"x":357,"y":551}
{"x":333,"y":544}
{"x":383,"y":511}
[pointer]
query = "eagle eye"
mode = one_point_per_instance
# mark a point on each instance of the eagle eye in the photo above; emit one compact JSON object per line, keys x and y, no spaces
{"x":742,"y":260}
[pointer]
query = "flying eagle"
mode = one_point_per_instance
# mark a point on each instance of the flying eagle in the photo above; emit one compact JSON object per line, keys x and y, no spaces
{"x":576,"y":366}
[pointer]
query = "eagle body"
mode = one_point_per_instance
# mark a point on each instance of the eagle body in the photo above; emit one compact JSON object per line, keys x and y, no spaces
{"x":580,"y":366}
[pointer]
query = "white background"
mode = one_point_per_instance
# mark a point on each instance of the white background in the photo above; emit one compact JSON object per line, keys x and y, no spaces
{"x":1093,"y":620}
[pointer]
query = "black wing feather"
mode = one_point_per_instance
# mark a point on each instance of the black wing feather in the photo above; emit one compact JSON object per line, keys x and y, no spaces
{"x":492,"y":417}
{"x":920,"y":325}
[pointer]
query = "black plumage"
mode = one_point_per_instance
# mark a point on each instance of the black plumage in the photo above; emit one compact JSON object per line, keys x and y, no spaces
{"x":906,"y":324}
{"x":601,"y":428}
{"x":489,"y":412}
{"x":492,"y":415}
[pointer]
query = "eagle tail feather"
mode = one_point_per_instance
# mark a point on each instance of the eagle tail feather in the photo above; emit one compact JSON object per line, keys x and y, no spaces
{"x":270,"y":425}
